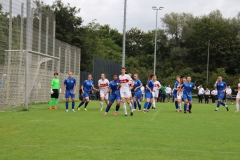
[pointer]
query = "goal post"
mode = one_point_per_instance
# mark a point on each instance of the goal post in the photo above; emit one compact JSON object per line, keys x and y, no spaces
{"x":29,"y":76}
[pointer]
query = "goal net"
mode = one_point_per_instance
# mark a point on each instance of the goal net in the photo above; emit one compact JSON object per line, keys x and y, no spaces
{"x":39,"y":73}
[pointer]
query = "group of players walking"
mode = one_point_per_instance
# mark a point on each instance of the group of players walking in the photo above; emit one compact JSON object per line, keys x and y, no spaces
{"x":121,"y":86}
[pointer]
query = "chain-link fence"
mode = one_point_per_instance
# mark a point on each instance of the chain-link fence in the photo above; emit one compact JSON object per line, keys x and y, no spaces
{"x":30,"y":54}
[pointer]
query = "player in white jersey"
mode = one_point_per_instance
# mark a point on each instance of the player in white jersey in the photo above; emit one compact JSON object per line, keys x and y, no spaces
{"x":155,"y":93}
{"x":125,"y":90}
{"x":103,"y":84}
{"x":180,"y":94}
{"x":131,"y":83}
{"x":237,"y":98}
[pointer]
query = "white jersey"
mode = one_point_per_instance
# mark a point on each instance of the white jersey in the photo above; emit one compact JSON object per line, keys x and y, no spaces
{"x":156,"y":86}
{"x":124,"y":81}
{"x":207,"y":92}
{"x":168,"y":90}
{"x":214,"y":92}
{"x":103,"y":84}
{"x":200,"y":90}
{"x":229,"y":91}
{"x":130,"y":84}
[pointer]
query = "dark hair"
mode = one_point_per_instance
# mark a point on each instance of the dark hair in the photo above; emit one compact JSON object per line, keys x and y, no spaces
{"x":123,"y":68}
{"x":55,"y":73}
{"x":151,"y":76}
{"x":115,"y":74}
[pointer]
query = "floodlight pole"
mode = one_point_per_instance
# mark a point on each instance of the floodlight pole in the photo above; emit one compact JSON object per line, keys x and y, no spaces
{"x":124,"y":33}
{"x":28,"y":43}
{"x":155,"y":48}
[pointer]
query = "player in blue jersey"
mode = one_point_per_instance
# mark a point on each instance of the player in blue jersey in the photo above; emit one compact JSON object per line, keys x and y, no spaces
{"x":115,"y":95}
{"x":148,"y":93}
{"x":86,"y":87}
{"x":187,"y":94}
{"x":175,"y":91}
{"x":138,"y":92}
{"x":70,"y":90}
{"x":221,"y":88}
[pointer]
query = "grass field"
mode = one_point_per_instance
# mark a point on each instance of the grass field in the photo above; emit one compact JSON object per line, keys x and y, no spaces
{"x":160,"y":134}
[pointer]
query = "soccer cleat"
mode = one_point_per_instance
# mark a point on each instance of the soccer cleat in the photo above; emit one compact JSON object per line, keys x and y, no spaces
{"x":125,"y":114}
{"x":73,"y":110}
{"x":85,"y":109}
{"x":227,"y":108}
{"x":180,"y":110}
{"x":66,"y":110}
{"x":131,"y":114}
{"x":115,"y":113}
{"x":190,"y":111}
{"x":147,"y":110}
{"x":78,"y":108}
{"x":49,"y":108}
{"x":101,"y":109}
{"x":236,"y":111}
{"x":54,"y":108}
{"x":152,"y":107}
{"x":216,"y":110}
{"x":134,"y":109}
{"x":185,"y":112}
{"x":105,"y":114}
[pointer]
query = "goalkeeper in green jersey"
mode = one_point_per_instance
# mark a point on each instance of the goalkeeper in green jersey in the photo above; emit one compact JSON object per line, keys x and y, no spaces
{"x":55,"y":90}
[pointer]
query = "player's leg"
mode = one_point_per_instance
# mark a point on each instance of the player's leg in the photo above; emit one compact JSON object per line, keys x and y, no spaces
{"x":101,"y":99}
{"x":67,"y":94}
{"x":222,"y":102}
{"x":150,"y":103}
{"x":146,"y":104}
{"x":135,"y":102}
{"x":73,"y":101}
{"x":237,"y":103}
{"x":55,"y":95}
{"x":85,"y":96}
{"x":179,"y":98}
{"x":123,"y":102}
{"x":87,"y":100}
{"x":51,"y":102}
{"x":175,"y":100}
{"x":111,"y":100}
{"x":129,"y":104}
{"x":185,"y":102}
{"x":117,"y":106}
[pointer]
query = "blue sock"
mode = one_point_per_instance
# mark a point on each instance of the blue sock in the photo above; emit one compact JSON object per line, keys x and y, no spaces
{"x":117,"y":107}
{"x":176,"y":104}
{"x":108,"y":108}
{"x":73,"y":104}
{"x":146,"y":105}
{"x":223,"y":104}
{"x":149,"y":105}
{"x":185,"y":107}
{"x":135,"y":104}
{"x":66,"y":105}
{"x":80,"y":104}
{"x":218,"y":104}
{"x":139,"y":105}
{"x":86,"y":103}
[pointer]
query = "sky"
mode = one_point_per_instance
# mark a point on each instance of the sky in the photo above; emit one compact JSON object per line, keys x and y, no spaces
{"x":140,"y":13}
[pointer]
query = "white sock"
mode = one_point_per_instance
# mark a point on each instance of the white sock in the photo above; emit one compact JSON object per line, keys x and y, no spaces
{"x":101,"y":104}
{"x":124,"y":108}
{"x":237,"y":106}
{"x":180,"y":105}
{"x":154,"y":103}
{"x":217,"y":108}
{"x":130,"y":106}
{"x":187,"y":106}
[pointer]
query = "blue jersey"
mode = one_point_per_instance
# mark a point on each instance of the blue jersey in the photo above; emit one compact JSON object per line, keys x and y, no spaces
{"x":188,"y":87}
{"x":221,"y":86}
{"x":70,"y":83}
{"x":87,"y":85}
{"x":150,"y":84}
{"x":113,"y":85}
{"x":175,"y":86}
{"x":137,"y":83}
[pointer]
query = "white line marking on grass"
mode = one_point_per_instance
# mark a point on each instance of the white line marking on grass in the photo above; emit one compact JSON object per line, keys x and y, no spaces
{"x":155,"y":114}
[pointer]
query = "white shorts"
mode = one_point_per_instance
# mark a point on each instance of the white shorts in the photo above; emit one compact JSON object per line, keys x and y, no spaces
{"x":102,"y":94}
{"x":238,"y":95}
{"x":125,"y":93}
{"x":179,"y":96}
{"x":155,"y":93}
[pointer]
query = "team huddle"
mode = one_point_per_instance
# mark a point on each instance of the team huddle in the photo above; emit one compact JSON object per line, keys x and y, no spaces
{"x":120,"y":90}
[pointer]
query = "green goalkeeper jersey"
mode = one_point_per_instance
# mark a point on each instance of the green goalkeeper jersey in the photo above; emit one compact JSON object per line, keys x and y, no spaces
{"x":55,"y":83}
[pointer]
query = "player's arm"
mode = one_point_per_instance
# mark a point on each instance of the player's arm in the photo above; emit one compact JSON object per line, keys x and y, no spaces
{"x":82,"y":88}
{"x":64,"y":86}
{"x":148,"y":88}
{"x":140,"y":86}
{"x":109,"y":89}
{"x":75,"y":88}
{"x":95,"y":88}
{"x":215,"y":84}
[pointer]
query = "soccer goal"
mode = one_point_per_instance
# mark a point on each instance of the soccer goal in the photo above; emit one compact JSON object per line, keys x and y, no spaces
{"x":28,"y":77}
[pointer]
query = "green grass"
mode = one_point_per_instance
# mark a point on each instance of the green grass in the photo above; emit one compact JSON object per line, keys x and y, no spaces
{"x":160,"y":134}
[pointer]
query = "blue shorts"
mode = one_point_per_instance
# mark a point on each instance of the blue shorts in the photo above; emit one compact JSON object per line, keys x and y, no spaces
{"x":221,"y":95}
{"x":138,"y":94}
{"x":114,"y":97}
{"x":187,"y":97}
{"x":86,"y":95}
{"x":69,"y":93}
{"x":149,"y":95}
{"x":175,"y":94}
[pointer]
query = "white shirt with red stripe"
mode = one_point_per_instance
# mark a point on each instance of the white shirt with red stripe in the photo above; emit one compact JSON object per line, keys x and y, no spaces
{"x":156,"y":85}
{"x":103,"y":84}
{"x":125,"y":81}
